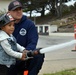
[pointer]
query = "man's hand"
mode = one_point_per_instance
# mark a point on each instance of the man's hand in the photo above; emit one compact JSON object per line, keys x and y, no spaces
{"x":29,"y":54}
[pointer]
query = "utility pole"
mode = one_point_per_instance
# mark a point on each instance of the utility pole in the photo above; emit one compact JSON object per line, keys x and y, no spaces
{"x":34,"y":19}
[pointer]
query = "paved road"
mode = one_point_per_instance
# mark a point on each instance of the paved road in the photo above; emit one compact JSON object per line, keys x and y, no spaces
{"x":60,"y":59}
{"x":45,"y":41}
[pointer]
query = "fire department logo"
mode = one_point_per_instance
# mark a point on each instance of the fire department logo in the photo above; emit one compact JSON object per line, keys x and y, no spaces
{"x":22,"y":32}
{"x":10,"y":17}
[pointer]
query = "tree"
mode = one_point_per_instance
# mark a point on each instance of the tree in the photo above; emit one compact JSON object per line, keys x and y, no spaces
{"x":38,"y":5}
{"x":41,"y":6}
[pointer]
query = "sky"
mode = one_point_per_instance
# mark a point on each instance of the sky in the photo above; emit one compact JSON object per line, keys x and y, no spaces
{"x":38,"y":14}
{"x":70,"y":2}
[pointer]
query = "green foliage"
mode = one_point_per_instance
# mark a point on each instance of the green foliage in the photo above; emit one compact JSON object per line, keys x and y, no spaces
{"x":75,"y":5}
{"x":65,"y":72}
{"x":71,"y":7}
{"x":40,"y":5}
{"x":68,"y":9}
{"x":65,"y":0}
{"x":65,"y":12}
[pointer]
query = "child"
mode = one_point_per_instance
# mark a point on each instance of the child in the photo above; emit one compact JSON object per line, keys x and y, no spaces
{"x":9,"y":49}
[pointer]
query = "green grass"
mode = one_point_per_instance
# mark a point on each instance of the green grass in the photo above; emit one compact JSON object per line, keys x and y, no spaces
{"x":65,"y":72}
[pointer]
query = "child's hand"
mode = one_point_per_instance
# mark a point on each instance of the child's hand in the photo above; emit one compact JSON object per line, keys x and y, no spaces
{"x":23,"y":56}
{"x":25,"y":51}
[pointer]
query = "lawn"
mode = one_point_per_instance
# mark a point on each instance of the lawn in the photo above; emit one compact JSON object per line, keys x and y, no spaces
{"x":65,"y":72}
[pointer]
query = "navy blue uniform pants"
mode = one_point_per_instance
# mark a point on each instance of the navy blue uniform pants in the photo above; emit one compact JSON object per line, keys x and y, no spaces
{"x":32,"y":65}
{"x":3,"y":70}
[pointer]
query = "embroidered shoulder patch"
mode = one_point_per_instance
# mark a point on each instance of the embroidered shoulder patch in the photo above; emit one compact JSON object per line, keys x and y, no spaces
{"x":22,"y":32}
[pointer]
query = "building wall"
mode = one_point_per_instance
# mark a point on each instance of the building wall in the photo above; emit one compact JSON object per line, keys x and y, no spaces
{"x":46,"y":29}
{"x":4,"y":5}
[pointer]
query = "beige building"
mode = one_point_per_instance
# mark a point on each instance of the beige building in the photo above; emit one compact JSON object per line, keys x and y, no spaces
{"x":46,"y":29}
{"x":4,"y":5}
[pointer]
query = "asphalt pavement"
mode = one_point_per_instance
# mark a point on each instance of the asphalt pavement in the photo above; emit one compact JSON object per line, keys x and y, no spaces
{"x":58,"y":60}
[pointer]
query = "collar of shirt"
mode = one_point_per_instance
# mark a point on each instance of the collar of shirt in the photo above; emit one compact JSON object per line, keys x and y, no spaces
{"x":4,"y":35}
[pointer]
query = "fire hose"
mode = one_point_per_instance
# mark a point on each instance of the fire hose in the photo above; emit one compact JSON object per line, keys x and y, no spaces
{"x":30,"y":54}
